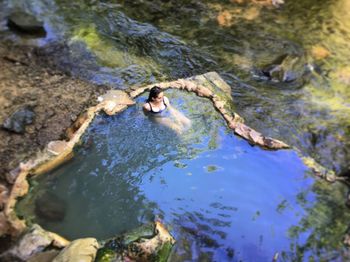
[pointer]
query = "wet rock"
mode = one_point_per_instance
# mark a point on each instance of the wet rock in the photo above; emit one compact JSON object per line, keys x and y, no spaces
{"x":50,"y":207}
{"x":82,"y":250}
{"x":257,"y":138}
{"x":115,"y":101}
{"x":285,"y":69}
{"x":25,"y":23}
{"x":150,"y":242}
{"x":18,"y":120}
{"x":33,"y":242}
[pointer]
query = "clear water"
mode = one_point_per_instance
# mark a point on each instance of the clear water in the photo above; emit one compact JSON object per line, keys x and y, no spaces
{"x":222,"y":199}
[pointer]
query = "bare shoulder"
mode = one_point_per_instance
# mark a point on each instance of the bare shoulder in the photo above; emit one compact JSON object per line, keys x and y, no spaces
{"x":166,"y":100}
{"x":146,"y":107}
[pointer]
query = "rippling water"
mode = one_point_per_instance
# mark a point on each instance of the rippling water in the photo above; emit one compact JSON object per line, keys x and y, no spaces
{"x":222,"y":199}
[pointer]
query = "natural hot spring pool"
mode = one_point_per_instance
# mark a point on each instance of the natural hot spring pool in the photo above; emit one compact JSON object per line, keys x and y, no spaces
{"x":221,"y":198}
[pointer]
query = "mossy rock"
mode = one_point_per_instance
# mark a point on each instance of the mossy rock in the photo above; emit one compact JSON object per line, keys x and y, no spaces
{"x":106,"y":255}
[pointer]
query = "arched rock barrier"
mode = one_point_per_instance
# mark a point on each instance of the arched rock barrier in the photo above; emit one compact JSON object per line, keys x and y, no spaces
{"x":209,"y":85}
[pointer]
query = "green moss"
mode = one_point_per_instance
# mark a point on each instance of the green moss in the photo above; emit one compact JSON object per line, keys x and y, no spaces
{"x":105,"y":255}
{"x":164,"y":252}
{"x":107,"y":52}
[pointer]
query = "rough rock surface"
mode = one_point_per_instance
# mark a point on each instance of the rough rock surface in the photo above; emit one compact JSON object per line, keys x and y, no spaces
{"x":19,"y":119}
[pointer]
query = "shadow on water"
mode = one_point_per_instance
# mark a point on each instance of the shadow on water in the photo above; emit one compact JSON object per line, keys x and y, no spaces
{"x":222,"y":199}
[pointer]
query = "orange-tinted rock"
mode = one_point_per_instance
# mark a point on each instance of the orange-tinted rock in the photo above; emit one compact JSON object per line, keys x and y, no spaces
{"x":251,"y":13}
{"x":319,"y":52}
{"x":224,"y":18}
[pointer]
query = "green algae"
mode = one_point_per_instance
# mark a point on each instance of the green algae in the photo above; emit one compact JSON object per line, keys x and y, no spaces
{"x":108,"y":53}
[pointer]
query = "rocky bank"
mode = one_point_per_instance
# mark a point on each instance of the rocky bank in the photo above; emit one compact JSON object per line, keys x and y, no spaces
{"x":41,"y":102}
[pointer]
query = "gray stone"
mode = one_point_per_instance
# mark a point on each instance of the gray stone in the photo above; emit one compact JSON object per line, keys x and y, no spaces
{"x":286,"y":69}
{"x":18,"y":120}
{"x":25,"y":23}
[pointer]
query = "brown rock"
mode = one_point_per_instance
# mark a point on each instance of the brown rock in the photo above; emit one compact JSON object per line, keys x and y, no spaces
{"x":256,"y":137}
{"x":190,"y":86}
{"x":204,"y":92}
{"x":77,"y":124}
{"x":4,"y":226}
{"x":219,"y":104}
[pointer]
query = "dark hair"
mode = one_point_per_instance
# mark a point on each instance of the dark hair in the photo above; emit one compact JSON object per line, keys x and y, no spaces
{"x":153,"y":93}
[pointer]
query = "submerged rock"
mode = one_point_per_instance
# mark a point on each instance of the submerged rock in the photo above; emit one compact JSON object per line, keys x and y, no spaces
{"x":50,"y":207}
{"x":18,"y":120}
{"x":26,"y":23}
{"x":290,"y":69}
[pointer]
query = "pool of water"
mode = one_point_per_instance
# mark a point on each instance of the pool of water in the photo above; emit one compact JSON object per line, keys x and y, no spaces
{"x":221,"y":198}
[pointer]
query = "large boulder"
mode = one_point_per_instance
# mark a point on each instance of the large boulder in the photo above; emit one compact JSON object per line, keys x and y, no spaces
{"x":80,"y":250}
{"x":25,"y":23}
{"x":19,"y":119}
